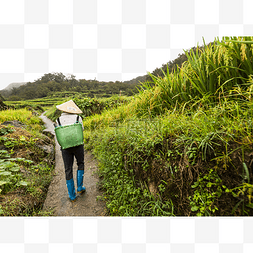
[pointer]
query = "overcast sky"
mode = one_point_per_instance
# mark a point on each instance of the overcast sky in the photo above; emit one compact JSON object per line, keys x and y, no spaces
{"x":108,"y":40}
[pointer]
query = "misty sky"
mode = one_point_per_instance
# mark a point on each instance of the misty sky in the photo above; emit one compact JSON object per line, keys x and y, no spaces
{"x":108,"y":40}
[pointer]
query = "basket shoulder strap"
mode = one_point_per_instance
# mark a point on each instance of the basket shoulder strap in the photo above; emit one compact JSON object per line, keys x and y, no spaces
{"x":59,"y":123}
{"x":77,"y":119}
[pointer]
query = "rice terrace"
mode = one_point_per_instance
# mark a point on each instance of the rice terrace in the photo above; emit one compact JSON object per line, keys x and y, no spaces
{"x":176,"y":142}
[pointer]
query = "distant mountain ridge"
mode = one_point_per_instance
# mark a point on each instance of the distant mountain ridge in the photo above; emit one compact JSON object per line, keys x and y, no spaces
{"x":14,"y":85}
{"x":58,"y":83}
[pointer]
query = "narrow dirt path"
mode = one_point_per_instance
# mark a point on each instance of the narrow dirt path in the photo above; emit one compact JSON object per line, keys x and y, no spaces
{"x":57,"y":197}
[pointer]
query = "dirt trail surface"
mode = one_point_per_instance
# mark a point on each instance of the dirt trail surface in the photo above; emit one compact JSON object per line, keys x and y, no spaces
{"x":57,"y":196}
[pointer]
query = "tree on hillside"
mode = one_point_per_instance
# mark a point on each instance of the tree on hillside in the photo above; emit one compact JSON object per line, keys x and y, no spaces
{"x":72,"y":81}
{"x":14,"y":91}
{"x":58,"y":82}
{"x":57,"y":77}
{"x":2,"y":98}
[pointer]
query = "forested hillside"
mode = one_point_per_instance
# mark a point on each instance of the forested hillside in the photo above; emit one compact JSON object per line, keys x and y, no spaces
{"x":51,"y":83}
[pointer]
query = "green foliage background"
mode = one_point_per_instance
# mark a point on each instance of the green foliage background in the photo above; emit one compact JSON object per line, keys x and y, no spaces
{"x":182,"y":145}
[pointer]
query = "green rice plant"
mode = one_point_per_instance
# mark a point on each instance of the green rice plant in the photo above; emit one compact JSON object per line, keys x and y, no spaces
{"x":33,"y":123}
{"x":211,"y":72}
{"x":22,"y":115}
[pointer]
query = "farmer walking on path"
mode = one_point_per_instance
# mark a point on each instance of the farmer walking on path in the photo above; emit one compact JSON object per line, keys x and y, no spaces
{"x":69,"y":134}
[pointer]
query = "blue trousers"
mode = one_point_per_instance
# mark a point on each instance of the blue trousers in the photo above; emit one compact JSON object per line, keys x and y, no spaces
{"x":68,"y":159}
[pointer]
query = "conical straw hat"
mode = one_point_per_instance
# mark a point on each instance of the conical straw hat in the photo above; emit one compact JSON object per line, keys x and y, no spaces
{"x":69,"y":107}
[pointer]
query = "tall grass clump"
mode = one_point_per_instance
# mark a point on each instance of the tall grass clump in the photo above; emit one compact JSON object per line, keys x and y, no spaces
{"x":218,"y":70}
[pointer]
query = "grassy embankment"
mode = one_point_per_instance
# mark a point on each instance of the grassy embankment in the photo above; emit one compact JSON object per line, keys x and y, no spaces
{"x":184,"y":146}
{"x":25,"y":171}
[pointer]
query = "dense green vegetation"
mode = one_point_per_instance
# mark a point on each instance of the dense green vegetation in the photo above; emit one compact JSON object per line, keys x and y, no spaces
{"x":25,"y":169}
{"x":91,"y":106}
{"x":184,"y":145}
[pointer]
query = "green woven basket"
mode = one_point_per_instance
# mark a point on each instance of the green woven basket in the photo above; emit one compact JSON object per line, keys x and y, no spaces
{"x":70,"y":135}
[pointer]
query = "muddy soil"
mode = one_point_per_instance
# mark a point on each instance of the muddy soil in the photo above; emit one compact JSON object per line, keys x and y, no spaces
{"x":57,"y":199}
